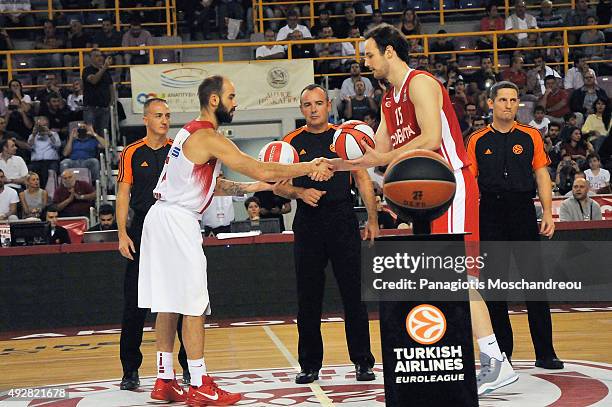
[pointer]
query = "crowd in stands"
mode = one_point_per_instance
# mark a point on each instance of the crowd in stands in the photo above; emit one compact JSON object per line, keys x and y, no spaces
{"x":61,"y":128}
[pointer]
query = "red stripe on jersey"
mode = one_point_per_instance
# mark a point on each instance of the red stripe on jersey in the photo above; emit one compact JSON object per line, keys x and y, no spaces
{"x":196,"y":125}
{"x":204,"y":174}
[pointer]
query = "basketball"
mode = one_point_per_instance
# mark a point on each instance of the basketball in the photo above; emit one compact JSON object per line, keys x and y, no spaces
{"x":419,"y":185}
{"x":348,"y":137}
{"x":278,"y":152}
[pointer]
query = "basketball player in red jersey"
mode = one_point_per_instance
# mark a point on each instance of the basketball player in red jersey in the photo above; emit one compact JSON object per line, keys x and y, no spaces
{"x":416,"y":113}
{"x":172,"y":279}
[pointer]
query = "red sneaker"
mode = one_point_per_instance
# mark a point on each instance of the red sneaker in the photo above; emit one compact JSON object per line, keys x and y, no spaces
{"x":209,"y":394}
{"x":168,"y":391}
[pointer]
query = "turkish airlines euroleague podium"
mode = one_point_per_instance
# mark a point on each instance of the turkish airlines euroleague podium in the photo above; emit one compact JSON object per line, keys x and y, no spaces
{"x":427,"y":346}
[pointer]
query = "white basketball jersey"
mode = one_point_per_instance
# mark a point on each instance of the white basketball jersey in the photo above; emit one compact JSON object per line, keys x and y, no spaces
{"x":183,"y":183}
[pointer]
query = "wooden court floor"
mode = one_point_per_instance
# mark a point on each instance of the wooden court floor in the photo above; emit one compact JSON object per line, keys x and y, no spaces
{"x":44,"y":361}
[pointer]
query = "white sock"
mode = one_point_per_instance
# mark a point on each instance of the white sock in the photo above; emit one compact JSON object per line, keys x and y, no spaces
{"x":165,"y":369}
{"x":197,"y":369}
{"x":489,"y":345}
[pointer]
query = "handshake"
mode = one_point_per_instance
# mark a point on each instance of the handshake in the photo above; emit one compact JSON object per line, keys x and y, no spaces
{"x":322,"y":169}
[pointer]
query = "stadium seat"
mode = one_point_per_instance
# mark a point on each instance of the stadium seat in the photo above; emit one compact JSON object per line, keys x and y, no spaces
{"x":82,"y":174}
{"x":389,"y":6}
{"x":22,"y":61}
{"x":465,"y":43}
{"x":418,"y":4}
{"x":464,"y":4}
{"x":470,"y":63}
{"x":167,"y":55}
{"x":448,"y":4}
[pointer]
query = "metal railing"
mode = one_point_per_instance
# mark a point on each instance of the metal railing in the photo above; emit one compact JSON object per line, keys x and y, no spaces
{"x":220,"y":47}
{"x":168,"y":9}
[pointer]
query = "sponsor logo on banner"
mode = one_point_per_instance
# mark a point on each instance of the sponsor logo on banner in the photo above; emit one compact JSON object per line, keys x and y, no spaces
{"x":426,"y":325}
{"x":258,"y":85}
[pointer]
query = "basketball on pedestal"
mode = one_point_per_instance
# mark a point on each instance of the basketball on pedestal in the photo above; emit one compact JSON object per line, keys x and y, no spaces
{"x":278,"y":152}
{"x":419,"y":186}
{"x":348,"y":138}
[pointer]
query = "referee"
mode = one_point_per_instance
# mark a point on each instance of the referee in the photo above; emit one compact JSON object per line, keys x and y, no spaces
{"x":326,"y":229}
{"x":505,"y":157}
{"x":139,"y":168}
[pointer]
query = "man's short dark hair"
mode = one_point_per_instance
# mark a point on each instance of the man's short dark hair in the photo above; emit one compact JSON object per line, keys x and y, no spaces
{"x":106,"y":209}
{"x":539,"y":108}
{"x":53,"y":95}
{"x":325,"y":11}
{"x":501,"y":85}
{"x":554,"y":124}
{"x":149,"y":102}
{"x":490,"y":5}
{"x":292,"y":13}
{"x":135,"y":20}
{"x":110,"y":20}
{"x":51,"y":208}
{"x":387,"y":35}
{"x":252,"y":199}
{"x":568,"y":116}
{"x":314,"y":86}
{"x":578,"y":55}
{"x":593,"y":155}
{"x":208,"y":87}
{"x":550,"y":77}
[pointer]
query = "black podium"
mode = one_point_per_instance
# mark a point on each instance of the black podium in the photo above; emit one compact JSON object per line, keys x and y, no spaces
{"x":435,"y":371}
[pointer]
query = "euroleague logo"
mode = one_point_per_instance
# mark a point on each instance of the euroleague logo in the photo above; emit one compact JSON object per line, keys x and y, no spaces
{"x":517,"y":149}
{"x":426,"y":324}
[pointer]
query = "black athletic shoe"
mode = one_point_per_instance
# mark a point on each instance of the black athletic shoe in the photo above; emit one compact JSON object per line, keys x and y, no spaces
{"x":549,"y":363}
{"x":130,"y":381}
{"x":186,"y":378}
{"x":307,"y":376}
{"x":364,"y":373}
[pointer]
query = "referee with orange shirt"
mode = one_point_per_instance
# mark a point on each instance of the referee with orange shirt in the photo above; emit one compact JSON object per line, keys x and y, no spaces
{"x":505,"y":157}
{"x":139,"y":168}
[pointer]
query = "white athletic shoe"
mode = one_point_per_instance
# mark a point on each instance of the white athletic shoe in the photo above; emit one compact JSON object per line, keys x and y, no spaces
{"x":494,"y":374}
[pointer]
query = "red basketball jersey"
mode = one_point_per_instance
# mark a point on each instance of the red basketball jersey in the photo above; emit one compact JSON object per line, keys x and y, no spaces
{"x":403,"y":127}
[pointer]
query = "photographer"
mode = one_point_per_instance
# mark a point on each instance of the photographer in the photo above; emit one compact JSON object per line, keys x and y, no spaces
{"x":81,"y":150}
{"x":45,"y":145}
{"x":566,"y":171}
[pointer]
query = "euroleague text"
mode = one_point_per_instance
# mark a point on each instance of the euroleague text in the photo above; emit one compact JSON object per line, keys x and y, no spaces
{"x":435,"y":361}
{"x":412,"y":264}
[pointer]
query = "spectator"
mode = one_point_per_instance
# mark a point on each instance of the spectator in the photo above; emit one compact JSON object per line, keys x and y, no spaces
{"x":75,"y":100}
{"x":539,"y":121}
{"x":574,"y":78}
{"x":440,"y":71}
{"x":45,"y":144}
{"x":566,"y":171}
{"x":415,"y":46}
{"x":343,"y":27}
{"x":4,"y":133}
{"x":8,"y":200}
{"x":82,"y":150}
{"x":272,"y":206}
{"x":328,"y":49}
{"x":600,"y":121}
{"x":357,"y":106}
{"x":552,"y":145}
{"x":301,"y":50}
{"x":537,"y":75}
{"x":226,"y":10}
{"x":272,"y":51}
{"x":136,"y":36}
{"x":371,"y":119}
{"x":465,"y":122}
{"x":577,"y":17}
{"x":598,"y":178}
{"x":583,"y":99}
{"x":219,"y":215}
{"x":253,"y":208}
{"x":347,"y":89}
{"x":16,"y":18}
{"x":49,"y":40}
{"x":554,"y":99}
{"x":14,"y":167}
{"x":515,"y":74}
{"x":72,"y":197}
{"x":485,"y":77}
{"x":348,"y":48}
{"x":410,"y":23}
{"x":58,"y":234}
{"x":547,"y":17}
{"x":292,"y":25}
{"x":377,"y":18}
{"x":323,"y":21}
{"x":491,"y":22}
{"x":98,"y":91}
{"x":108,"y":37}
{"x":198,"y":14}
{"x":577,"y":148}
{"x":5,"y":41}
{"x":476,"y":123}
{"x":34,"y":198}
{"x":554,"y":53}
{"x":459,"y":98}
{"x":385,"y":219}
{"x":76,"y":38}
{"x":51,"y":86}
{"x":58,"y":114}
{"x":106,"y":214}
{"x":443,"y":44}
{"x":592,"y":36}
{"x":519,"y":20}
{"x":570,"y":120}
{"x":579,"y":207}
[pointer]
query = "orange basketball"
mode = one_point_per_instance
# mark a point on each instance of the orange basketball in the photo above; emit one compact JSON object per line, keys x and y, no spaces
{"x":419,"y":185}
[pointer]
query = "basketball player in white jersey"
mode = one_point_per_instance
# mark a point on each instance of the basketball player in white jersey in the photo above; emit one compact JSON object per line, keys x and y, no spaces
{"x":416,"y":113}
{"x":172,"y":278}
